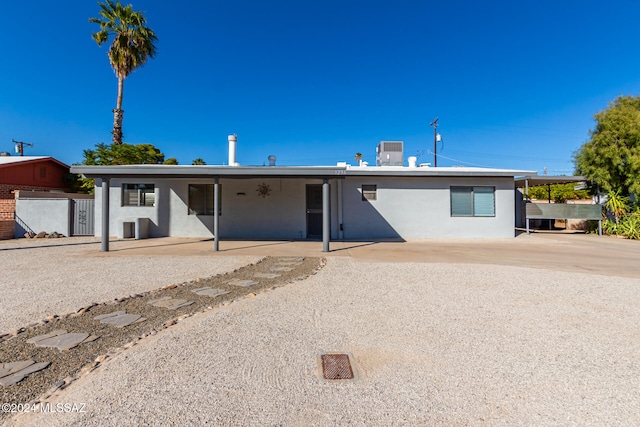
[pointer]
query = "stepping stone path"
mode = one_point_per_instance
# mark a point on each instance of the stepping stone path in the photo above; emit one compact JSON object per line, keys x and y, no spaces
{"x":241,"y":282}
{"x":171,"y":303}
{"x":120,"y":318}
{"x":266,"y":275}
{"x":14,"y":372}
{"x":61,"y":339}
{"x":210,"y":292}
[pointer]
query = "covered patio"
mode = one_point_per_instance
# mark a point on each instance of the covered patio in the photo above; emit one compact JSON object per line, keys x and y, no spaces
{"x":214,"y":174}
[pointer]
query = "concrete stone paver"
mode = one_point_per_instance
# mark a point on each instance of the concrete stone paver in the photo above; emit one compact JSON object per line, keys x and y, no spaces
{"x":61,"y":339}
{"x":277,"y":268}
{"x":14,"y":372}
{"x":241,"y":282}
{"x":266,"y":275}
{"x":120,"y":318}
{"x":208,"y":291}
{"x":170,"y":303}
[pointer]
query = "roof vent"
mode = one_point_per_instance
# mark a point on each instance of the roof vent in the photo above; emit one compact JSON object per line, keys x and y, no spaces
{"x":272,"y":160}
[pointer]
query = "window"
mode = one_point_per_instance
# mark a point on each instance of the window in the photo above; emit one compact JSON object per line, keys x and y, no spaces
{"x":201,"y":199}
{"x":369,"y":192}
{"x":138,"y":195}
{"x":473,"y":201}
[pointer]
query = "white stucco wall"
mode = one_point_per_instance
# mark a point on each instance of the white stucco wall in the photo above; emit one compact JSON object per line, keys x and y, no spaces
{"x":420,"y":208}
{"x":47,"y":215}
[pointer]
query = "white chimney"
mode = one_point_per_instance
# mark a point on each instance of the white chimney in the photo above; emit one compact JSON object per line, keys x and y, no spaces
{"x":233,"y":139}
{"x":412,"y":161}
{"x":272,"y":160}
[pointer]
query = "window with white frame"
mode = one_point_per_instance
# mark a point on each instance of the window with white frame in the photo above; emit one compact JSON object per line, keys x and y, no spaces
{"x":201,"y":199}
{"x":473,"y":201}
{"x":138,"y":195}
{"x":369,"y":192}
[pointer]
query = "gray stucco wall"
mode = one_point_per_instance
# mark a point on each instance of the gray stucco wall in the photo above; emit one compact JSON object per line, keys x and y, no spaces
{"x":245,"y":214}
{"x":412,"y":208}
{"x":406,"y":207}
{"x":47,"y":215}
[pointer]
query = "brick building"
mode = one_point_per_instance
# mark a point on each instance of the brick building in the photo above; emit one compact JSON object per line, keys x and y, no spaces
{"x":26,"y":173}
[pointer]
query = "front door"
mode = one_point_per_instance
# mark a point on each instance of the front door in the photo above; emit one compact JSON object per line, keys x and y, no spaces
{"x":314,"y":210}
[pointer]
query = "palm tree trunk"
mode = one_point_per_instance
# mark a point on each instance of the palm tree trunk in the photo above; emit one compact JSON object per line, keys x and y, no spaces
{"x":118,"y":114}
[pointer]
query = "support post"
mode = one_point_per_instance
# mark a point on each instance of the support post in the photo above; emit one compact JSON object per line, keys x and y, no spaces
{"x":600,"y":227}
{"x":216,"y":219}
{"x":326,"y":215}
{"x":527,"y":225}
{"x":105,"y":215}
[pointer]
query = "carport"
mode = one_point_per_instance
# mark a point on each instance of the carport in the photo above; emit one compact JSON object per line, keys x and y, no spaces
{"x":215,"y":174}
{"x":557,"y":210}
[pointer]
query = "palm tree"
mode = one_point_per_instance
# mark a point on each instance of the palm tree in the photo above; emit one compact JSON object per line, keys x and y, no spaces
{"x":133,"y":43}
{"x":199,"y":161}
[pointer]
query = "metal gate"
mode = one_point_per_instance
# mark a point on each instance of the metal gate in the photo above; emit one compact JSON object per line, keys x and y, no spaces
{"x":83,"y":217}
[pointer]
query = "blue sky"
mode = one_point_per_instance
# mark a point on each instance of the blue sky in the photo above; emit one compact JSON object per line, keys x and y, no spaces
{"x":515,"y":84}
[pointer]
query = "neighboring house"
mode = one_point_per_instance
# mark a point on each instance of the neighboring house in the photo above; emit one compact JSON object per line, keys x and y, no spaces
{"x":26,"y":173}
{"x":32,"y":173}
{"x":273,"y":202}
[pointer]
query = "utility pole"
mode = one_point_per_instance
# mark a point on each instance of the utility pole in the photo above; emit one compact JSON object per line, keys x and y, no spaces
{"x":434,"y":123}
{"x":20,"y":146}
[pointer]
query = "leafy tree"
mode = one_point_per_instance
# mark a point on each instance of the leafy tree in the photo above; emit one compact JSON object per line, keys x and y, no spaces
{"x":560,"y":193}
{"x":122,"y":154}
{"x":133,"y":43}
{"x":198,"y":161}
{"x":170,"y":161}
{"x":611,"y":158}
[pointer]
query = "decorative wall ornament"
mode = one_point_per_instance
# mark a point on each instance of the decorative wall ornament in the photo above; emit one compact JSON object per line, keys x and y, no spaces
{"x":264,"y":190}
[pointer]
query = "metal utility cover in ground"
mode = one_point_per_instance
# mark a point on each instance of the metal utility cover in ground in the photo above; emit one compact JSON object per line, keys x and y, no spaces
{"x":336,"y":366}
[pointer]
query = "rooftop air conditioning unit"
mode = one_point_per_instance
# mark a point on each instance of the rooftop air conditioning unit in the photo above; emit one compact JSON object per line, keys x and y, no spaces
{"x":390,"y":153}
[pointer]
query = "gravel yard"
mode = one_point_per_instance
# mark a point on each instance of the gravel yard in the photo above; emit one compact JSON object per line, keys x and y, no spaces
{"x":432,"y":344}
{"x":42,"y":278}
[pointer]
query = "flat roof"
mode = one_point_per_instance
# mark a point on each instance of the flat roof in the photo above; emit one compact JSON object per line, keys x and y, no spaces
{"x":190,"y":171}
{"x":537,"y":180}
